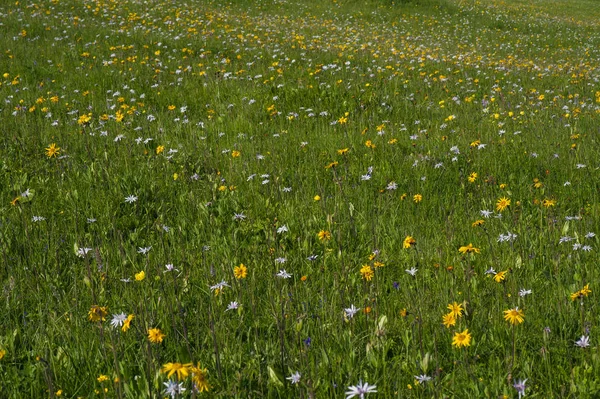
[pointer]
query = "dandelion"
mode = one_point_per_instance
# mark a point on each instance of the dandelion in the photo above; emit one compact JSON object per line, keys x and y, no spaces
{"x":181,"y":370}
{"x":408,"y":242}
{"x":502,"y":204}
{"x":360,"y":390}
{"x":240,"y":272}
{"x":155,"y":335}
{"x":461,"y":339}
{"x":52,"y":150}
{"x":514,"y":316}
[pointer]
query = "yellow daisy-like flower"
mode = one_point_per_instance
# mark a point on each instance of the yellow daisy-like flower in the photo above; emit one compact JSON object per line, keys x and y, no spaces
{"x":182,"y":370}
{"x":500,"y":276}
{"x":448,"y":320}
{"x":417,"y":198}
{"x":332,"y":165}
{"x":97,"y":313}
{"x":127,"y":323}
{"x":160,"y":149}
{"x":52,"y":150}
{"x":514,"y":316}
{"x":547,"y":203}
{"x":343,"y":151}
{"x":199,"y":378}
{"x":324,"y":235}
{"x":240,"y":271}
{"x":367,"y":272}
{"x":155,"y":335}
{"x":140,"y":276}
{"x":468,"y":249}
{"x":461,"y":339}
{"x":478,"y":223}
{"x":502,"y":204}
{"x":472,"y":177}
{"x":235,"y":154}
{"x":408,"y":242}
{"x":455,"y":309}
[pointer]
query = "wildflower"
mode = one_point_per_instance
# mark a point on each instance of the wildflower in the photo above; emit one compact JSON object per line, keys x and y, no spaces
{"x":456,"y":309}
{"x":118,"y":320}
{"x":520,"y":387}
{"x":102,"y":378}
{"x":131,"y":199}
{"x":583,"y":342}
{"x":500,"y":276}
{"x":294,"y":378}
{"x":523,"y":292}
{"x":218,"y":288}
{"x":173,"y":388}
{"x":417,"y":198}
{"x":367,"y":272}
{"x":324,"y":235}
{"x":584,"y":292}
{"x":478,"y":223}
{"x":155,"y":335}
{"x":449,"y":320}
{"x":412,"y":271}
{"x":235,"y":154}
{"x":547,"y":203}
{"x":160,"y":149}
{"x":331,"y":165}
{"x":472,"y":177}
{"x":514,"y":316}
{"x":343,"y":151}
{"x":468,"y":249}
{"x":502,"y":204}
{"x":461,"y":339}
{"x":240,"y":271}
{"x":2,"y":354}
{"x":283,"y":274}
{"x":370,"y":144}
{"x":360,"y":390}
{"x":282,"y":229}
{"x":52,"y":150}
{"x":140,"y":276}
{"x":317,"y":198}
{"x":232,"y":306}
{"x":408,"y":242}
{"x":351,"y":311}
{"x":422,"y":378}
{"x":182,"y":370}
{"x":97,"y":313}
{"x":127,"y":323}
{"x":199,"y":377}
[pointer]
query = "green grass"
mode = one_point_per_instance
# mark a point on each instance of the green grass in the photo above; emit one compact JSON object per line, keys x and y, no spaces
{"x":211,"y":110}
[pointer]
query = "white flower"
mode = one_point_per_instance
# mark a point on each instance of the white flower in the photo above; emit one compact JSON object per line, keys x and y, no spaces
{"x":583,"y":342}
{"x":422,"y":378}
{"x":233,"y":305}
{"x":239,"y":216}
{"x":144,"y":250}
{"x":280,"y":260}
{"x":38,"y":219}
{"x":294,"y":378}
{"x":283,"y":274}
{"x":524,"y":292}
{"x":219,"y":286}
{"x":282,"y":229}
{"x":590,"y":235}
{"x":351,"y":311}
{"x":392,"y":186}
{"x":173,"y":388}
{"x":412,"y":271}
{"x":131,"y":199}
{"x":81,"y":252}
{"x":360,"y":390}
{"x":118,"y":319}
{"x":485,"y":213}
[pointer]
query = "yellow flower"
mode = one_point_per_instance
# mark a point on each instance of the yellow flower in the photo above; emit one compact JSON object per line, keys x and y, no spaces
{"x":84,"y":119}
{"x":478,"y":223}
{"x":367,"y":272}
{"x":59,"y":392}
{"x":2,"y":354}
{"x":52,"y":150}
{"x":370,"y":144}
{"x":500,"y":276}
{"x":199,"y":378}
{"x":171,"y":107}
{"x":160,"y":149}
{"x":331,"y":165}
{"x":324,"y":235}
{"x":235,"y":154}
{"x":240,"y":271}
{"x":155,"y":335}
{"x":127,"y":323}
{"x":140,"y":276}
{"x":417,"y":198}
{"x":343,"y":151}
{"x":468,"y":249}
{"x":408,"y":242}
{"x":472,"y":177}
{"x":317,"y":198}
{"x":97,"y":313}
{"x":455,"y":309}
{"x":547,"y":203}
{"x":461,"y":339}
{"x":182,"y":370}
{"x":377,"y":264}
{"x":514,"y":316}
{"x":448,"y":320}
{"x":584,"y":292}
{"x":502,"y":204}
{"x":102,"y":378}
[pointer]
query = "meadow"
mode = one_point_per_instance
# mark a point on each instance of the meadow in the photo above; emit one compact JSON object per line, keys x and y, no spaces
{"x":312,"y":199}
